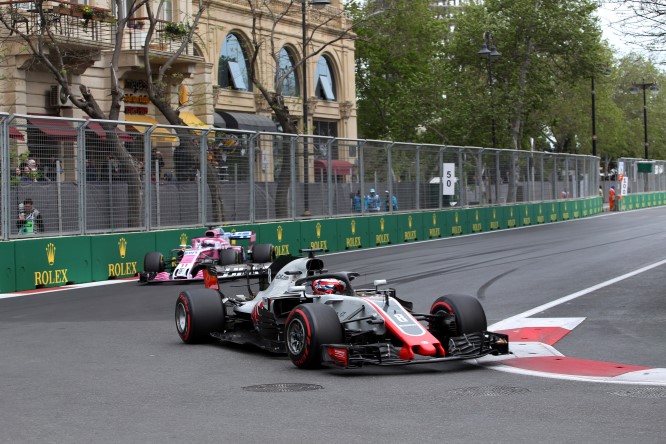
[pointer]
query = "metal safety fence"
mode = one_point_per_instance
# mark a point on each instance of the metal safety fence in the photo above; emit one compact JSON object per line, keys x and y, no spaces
{"x":642,"y":176}
{"x":96,"y":176}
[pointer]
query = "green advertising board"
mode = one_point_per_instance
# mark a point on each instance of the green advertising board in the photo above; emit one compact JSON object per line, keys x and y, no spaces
{"x":456,"y":222}
{"x":383,"y":230}
{"x":353,"y":233}
{"x":119,"y":255}
{"x":540,"y":213}
{"x":52,"y":262}
{"x":478,"y":219}
{"x":510,"y":217}
{"x":409,"y":227}
{"x":494,"y":218}
{"x":433,"y":224}
{"x":321,"y":233}
{"x":7,"y":269}
{"x":285,"y":236}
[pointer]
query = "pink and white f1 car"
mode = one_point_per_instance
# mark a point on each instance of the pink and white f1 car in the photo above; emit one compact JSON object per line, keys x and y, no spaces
{"x":214,"y":248}
{"x":317,"y":317}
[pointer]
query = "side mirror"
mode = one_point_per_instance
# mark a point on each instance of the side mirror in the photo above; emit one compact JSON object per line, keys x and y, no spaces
{"x":296,"y":289}
{"x":379,"y":282}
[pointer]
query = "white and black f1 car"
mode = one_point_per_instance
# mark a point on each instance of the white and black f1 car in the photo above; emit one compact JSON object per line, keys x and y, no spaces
{"x":318,"y":317}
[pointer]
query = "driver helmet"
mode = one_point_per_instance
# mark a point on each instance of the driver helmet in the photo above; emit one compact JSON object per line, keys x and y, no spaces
{"x":328,"y":286}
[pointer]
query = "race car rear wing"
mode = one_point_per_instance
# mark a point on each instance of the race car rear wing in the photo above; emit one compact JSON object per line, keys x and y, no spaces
{"x":216,"y":273}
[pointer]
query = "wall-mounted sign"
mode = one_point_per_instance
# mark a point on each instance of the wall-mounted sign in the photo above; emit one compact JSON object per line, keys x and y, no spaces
{"x":136,"y":110}
{"x":132,"y":98}
{"x":136,"y":85}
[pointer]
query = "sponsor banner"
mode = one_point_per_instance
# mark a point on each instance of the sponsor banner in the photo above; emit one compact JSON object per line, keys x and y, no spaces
{"x":119,"y":255}
{"x":353,"y":233}
{"x":383,"y":230}
{"x":456,"y":222}
{"x":319,"y":234}
{"x":285,"y":236}
{"x":7,"y":266}
{"x":410,"y":227}
{"x":52,"y":262}
{"x":433,"y":225}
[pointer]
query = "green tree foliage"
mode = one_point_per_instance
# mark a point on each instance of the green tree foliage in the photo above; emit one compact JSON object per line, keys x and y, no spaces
{"x":399,"y":58}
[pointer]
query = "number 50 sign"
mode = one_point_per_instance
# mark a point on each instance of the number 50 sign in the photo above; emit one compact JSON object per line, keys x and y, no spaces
{"x":448,"y":179}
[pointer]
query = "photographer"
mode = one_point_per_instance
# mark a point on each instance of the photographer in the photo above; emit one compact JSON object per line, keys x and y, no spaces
{"x":29,"y":220}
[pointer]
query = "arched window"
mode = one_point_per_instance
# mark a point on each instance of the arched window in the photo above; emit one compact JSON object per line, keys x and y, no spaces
{"x":232,"y":68}
{"x":290,"y":86}
{"x":324,"y":80}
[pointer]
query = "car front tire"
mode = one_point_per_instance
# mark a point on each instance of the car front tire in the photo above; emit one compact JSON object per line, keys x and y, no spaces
{"x":308,"y":327}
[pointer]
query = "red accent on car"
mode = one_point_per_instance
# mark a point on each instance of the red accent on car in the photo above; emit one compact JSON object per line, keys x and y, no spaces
{"x":338,"y":355}
{"x":210,"y":280}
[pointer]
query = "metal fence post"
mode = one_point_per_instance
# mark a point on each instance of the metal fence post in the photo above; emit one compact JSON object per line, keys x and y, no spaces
{"x":4,"y":176}
{"x":251,"y":144}
{"x":418,"y":177}
{"x":82,"y":171}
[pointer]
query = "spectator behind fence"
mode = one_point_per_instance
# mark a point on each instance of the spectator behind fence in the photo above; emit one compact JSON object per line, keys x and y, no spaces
{"x":29,"y":220}
{"x":372,"y":200}
{"x":392,"y":202}
{"x":356,"y":201}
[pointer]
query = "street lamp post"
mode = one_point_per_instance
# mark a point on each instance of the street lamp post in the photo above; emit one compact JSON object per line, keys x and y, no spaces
{"x":304,"y":67}
{"x":634,"y":90}
{"x":489,"y":52}
{"x":594,"y":120}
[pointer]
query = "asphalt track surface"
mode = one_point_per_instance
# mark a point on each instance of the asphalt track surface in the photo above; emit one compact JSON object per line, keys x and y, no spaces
{"x":104,"y":364}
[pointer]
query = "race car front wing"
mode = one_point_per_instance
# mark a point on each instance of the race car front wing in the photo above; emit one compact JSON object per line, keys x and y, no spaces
{"x":469,"y":346}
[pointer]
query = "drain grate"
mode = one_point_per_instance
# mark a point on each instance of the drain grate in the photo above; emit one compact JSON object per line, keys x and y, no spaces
{"x":490,"y":390}
{"x":647,"y":392}
{"x":282,"y":387}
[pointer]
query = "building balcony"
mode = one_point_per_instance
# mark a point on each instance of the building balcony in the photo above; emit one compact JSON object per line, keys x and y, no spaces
{"x":75,"y":26}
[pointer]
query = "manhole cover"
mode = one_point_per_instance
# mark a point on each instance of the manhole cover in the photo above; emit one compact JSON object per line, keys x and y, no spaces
{"x":647,"y":392}
{"x":488,"y":391}
{"x":282,"y":387}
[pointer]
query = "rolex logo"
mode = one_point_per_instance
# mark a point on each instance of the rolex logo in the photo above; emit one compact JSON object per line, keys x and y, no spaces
{"x":526,"y":212}
{"x":353,"y":226}
{"x":434,"y":218}
{"x":409,"y":222}
{"x":381,"y":224}
{"x":122,"y":247}
{"x":456,"y":217}
{"x":552,"y":208}
{"x":279,"y":233}
{"x":183,"y":239}
{"x":511,"y":212}
{"x":540,"y":210}
{"x":494,"y":214}
{"x":318,"y":230}
{"x":50,"y":253}
{"x":477,"y":215}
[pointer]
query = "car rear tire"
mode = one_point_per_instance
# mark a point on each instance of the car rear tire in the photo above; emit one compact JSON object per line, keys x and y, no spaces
{"x":262,"y":253}
{"x":199,"y":313}
{"x":308,"y":327}
{"x":469,"y":316}
{"x":228,"y":257}
{"x":153,"y":262}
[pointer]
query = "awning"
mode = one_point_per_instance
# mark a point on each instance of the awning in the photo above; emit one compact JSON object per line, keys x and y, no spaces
{"x":60,"y":129}
{"x":248,"y":122}
{"x":160,"y":134}
{"x":101,"y":133}
{"x":218,"y":121}
{"x":192,"y":120}
{"x":338,"y":167}
{"x":15,"y":134}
